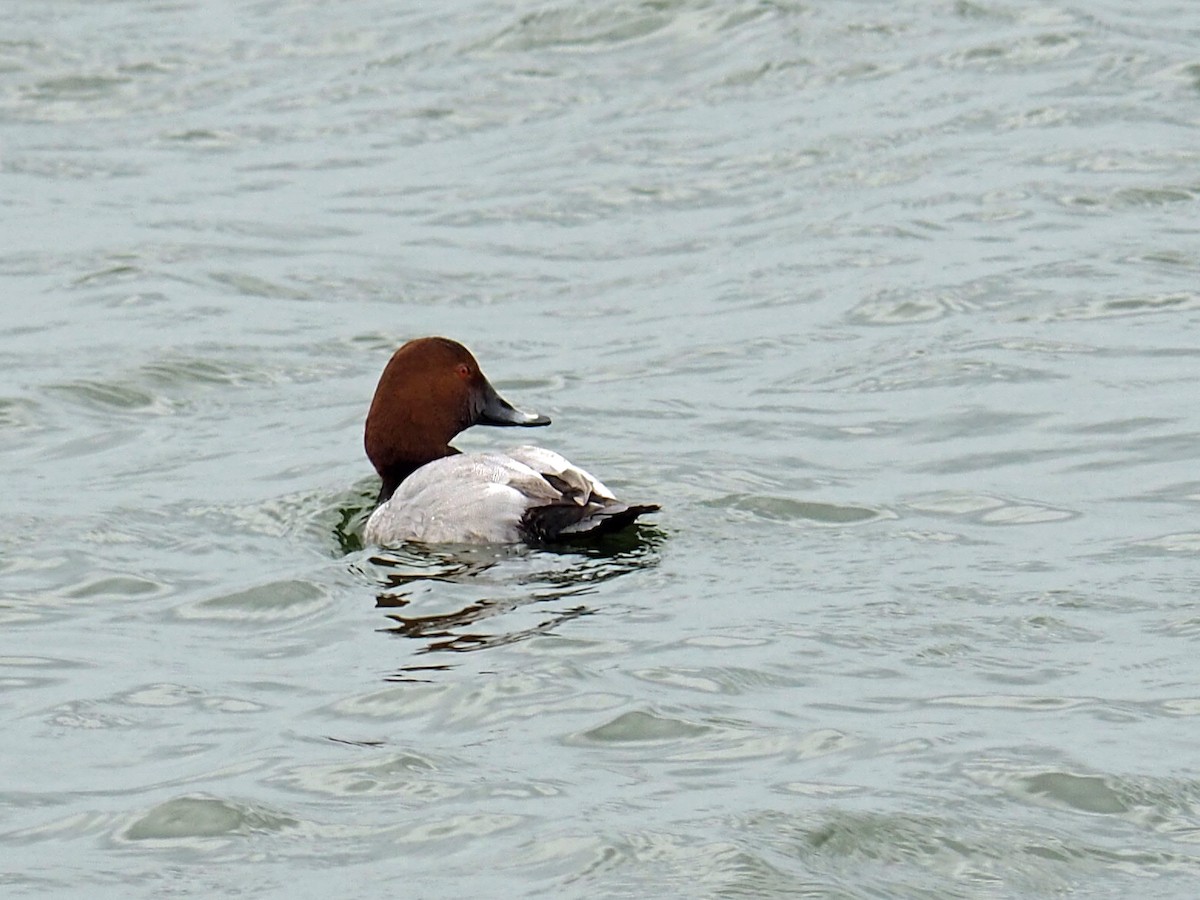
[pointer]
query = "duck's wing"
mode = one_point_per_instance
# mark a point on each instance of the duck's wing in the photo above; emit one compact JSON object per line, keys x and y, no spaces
{"x":575,"y":484}
{"x":468,"y":498}
{"x":585,"y":507}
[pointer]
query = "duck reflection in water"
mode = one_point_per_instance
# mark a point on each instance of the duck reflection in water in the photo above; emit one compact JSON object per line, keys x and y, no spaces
{"x":515,"y":581}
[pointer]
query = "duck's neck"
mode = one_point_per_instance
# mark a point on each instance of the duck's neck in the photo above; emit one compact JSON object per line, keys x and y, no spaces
{"x":396,"y":472}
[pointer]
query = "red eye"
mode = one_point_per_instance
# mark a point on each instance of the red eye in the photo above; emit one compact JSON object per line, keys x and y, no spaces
{"x":464,"y":371}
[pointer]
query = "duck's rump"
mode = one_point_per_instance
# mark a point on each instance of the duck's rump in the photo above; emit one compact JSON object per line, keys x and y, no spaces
{"x":566,"y":521}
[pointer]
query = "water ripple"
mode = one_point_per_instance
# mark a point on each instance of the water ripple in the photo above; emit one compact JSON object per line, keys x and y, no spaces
{"x":891,"y":306}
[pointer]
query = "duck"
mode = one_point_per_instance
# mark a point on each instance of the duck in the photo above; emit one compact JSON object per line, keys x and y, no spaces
{"x":431,"y":390}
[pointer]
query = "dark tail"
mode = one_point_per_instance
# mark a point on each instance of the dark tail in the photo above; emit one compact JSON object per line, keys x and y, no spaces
{"x":568,"y":521}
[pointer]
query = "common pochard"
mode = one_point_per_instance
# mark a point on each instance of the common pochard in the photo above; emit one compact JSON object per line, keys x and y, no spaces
{"x":432,"y":389}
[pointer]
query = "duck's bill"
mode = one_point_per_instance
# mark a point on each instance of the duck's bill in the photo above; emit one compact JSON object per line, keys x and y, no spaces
{"x":495,"y":410}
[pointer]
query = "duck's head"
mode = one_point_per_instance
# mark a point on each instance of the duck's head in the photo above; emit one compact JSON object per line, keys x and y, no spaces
{"x":431,"y":389}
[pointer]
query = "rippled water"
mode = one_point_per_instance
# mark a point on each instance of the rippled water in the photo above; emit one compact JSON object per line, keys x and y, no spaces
{"x":892,"y":307}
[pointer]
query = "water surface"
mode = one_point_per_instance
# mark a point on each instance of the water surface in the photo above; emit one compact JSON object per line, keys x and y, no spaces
{"x":892,"y":307}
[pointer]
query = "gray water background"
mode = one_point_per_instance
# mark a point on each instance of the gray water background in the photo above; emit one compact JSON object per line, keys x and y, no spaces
{"x":892,"y":306}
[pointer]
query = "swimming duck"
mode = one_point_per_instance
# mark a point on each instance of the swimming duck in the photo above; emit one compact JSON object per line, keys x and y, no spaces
{"x":432,"y":389}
